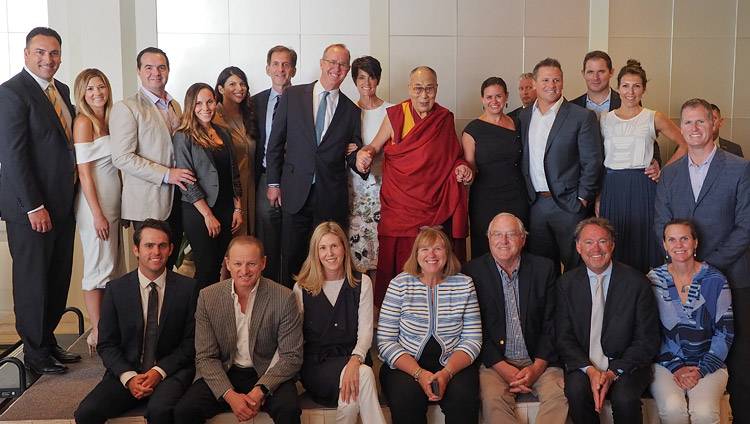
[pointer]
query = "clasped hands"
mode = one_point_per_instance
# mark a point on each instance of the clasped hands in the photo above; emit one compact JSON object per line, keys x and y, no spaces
{"x":245,"y":406}
{"x":143,"y":385}
{"x":600,"y":383}
{"x":520,"y":381}
{"x":687,"y":377}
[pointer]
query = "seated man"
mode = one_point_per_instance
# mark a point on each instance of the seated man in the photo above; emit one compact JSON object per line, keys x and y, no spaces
{"x":248,"y":339}
{"x":516,"y":293}
{"x":145,"y":335}
{"x":420,"y":188}
{"x":606,"y":351}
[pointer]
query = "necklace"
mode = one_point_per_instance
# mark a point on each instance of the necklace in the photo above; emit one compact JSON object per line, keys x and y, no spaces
{"x":685,"y":287}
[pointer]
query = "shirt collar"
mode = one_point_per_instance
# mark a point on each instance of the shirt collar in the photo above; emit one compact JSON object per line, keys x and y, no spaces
{"x":144,"y":281}
{"x":609,"y":97}
{"x":607,"y":272}
{"x":512,"y":273}
{"x":706,"y":162}
{"x":154,"y":98}
{"x":318,"y":89}
{"x":273,"y":94}
{"x":555,"y":107}
{"x":235,"y":296}
{"x":43,"y":83}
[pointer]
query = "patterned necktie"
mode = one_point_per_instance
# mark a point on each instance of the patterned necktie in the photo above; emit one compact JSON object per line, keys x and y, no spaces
{"x":275,"y":108}
{"x":152,"y":327}
{"x":596,"y":353}
{"x":58,"y":109}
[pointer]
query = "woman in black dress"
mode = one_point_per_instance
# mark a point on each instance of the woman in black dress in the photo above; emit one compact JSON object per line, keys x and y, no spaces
{"x":492,"y":147}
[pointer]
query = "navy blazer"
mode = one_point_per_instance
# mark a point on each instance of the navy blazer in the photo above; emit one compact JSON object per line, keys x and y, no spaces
{"x":260,"y":106}
{"x":121,"y":327}
{"x":721,"y":213}
{"x":536,"y":285}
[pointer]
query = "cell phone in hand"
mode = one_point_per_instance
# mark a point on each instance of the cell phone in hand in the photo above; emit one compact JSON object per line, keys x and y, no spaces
{"x":435,"y":387}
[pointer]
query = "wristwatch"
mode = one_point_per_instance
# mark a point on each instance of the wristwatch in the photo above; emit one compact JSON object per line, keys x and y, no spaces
{"x":263,"y":389}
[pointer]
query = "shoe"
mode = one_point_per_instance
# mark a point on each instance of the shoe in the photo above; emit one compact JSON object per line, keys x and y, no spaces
{"x":64,"y":356}
{"x":48,"y":365}
{"x":91,"y":341}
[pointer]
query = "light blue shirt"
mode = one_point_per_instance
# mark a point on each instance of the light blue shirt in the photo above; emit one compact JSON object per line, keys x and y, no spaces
{"x":698,"y":173}
{"x":272,"y":95}
{"x":515,"y":346}
{"x":599,"y":108}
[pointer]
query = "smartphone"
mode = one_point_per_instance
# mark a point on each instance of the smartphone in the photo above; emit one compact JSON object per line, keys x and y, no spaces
{"x":435,"y":387}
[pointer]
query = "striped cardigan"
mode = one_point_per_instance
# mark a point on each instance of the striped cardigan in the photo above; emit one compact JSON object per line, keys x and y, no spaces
{"x":408,"y":318}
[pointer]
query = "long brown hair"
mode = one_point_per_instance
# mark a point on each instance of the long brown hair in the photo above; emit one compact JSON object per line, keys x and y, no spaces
{"x":311,"y":276}
{"x":79,"y":91}
{"x":189,"y":123}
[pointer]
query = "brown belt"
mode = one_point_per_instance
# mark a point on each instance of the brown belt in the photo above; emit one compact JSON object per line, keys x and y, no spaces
{"x":544,"y":193}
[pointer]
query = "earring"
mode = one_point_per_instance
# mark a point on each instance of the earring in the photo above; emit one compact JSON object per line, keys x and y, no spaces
{"x":482,"y":107}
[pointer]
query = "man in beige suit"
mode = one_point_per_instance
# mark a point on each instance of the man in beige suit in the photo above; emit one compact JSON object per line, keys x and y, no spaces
{"x":248,"y":341}
{"x":141,"y":129}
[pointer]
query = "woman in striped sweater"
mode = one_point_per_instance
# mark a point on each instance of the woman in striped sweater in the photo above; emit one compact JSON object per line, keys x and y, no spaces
{"x":429,"y":334}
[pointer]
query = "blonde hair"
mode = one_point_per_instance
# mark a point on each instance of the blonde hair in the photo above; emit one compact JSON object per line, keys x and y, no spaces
{"x":79,"y":91}
{"x":311,"y":276}
{"x":189,"y":123}
{"x":427,"y":237}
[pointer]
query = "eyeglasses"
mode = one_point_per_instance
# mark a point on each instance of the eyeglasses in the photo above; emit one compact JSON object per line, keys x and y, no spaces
{"x":419,"y":90}
{"x":333,"y":63}
{"x":511,"y":235}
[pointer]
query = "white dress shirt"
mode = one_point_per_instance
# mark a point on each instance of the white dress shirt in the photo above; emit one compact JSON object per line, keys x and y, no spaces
{"x":242,"y":356}
{"x":539,"y":129}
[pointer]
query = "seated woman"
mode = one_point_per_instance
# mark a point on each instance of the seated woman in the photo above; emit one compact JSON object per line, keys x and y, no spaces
{"x":430,"y":330}
{"x":337,"y":326}
{"x":695,"y":307}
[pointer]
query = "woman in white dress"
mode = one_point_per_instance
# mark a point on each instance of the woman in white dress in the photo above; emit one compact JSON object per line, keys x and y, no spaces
{"x":364,"y":210}
{"x":97,"y":205}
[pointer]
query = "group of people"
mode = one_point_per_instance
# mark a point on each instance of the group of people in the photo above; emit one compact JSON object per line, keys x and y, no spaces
{"x":298,"y":166}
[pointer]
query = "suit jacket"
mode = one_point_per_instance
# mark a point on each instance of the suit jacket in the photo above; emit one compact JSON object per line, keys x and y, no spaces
{"x":536,"y":286}
{"x":721,"y":213}
{"x":294,"y":128}
{"x":38,"y":161}
{"x":121,"y":327}
{"x":630,"y":330}
{"x":190,"y":156}
{"x":142,"y":150}
{"x":274,"y":325}
{"x":260,"y":105}
{"x":730,"y":147}
{"x":572,"y":158}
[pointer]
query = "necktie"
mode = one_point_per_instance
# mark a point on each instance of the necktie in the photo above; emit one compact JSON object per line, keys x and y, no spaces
{"x":320,"y":117}
{"x":58,"y":109}
{"x":152,"y":327}
{"x":275,"y":108}
{"x":596,"y":353}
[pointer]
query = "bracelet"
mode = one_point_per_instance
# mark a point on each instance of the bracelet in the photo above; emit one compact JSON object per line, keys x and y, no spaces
{"x":417,"y":373}
{"x":359,"y":357}
{"x":238,"y":210}
{"x":450,"y":373}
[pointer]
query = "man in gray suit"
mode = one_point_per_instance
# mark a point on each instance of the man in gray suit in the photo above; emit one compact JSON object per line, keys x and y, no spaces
{"x":248,"y":342}
{"x":712,"y":188}
{"x":141,"y":128}
{"x":723,"y":143}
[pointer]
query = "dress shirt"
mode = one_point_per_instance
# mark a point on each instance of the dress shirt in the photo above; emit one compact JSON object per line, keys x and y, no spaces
{"x":143,"y":283}
{"x":167,"y":113}
{"x":515,"y":344}
{"x":539,"y":129}
{"x":698,"y":173}
{"x":605,"y":289}
{"x":331,"y":102}
{"x":600,"y":108}
{"x":242,"y":355}
{"x":272,"y":95}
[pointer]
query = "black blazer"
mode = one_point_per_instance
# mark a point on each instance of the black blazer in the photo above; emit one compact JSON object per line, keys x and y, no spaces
{"x":294,"y":129}
{"x":260,"y":104}
{"x":572,"y":158}
{"x":38,"y":162}
{"x":630,"y":332}
{"x":536,"y":284}
{"x":121,"y":327}
{"x":730,"y":147}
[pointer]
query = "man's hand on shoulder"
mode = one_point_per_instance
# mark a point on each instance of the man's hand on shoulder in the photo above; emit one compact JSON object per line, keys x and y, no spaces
{"x":179,"y":176}
{"x":40,"y":221}
{"x":241,"y":405}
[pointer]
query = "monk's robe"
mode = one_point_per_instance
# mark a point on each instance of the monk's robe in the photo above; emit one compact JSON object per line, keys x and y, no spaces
{"x":419,"y":188}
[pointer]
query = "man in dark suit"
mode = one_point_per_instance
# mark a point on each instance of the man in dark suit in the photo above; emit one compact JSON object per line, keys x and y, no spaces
{"x":723,"y":143}
{"x":516,"y":293}
{"x":562,"y":162}
{"x":607,"y":326}
{"x":281,"y":66}
{"x":711,"y":188}
{"x":315,"y":122}
{"x":37,"y":188}
{"x":145,"y":335}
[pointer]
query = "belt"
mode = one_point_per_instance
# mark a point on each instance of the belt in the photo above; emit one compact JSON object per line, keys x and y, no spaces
{"x":544,"y":193}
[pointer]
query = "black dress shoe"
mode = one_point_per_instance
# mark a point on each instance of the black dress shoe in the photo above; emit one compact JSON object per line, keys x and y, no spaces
{"x":64,"y":356}
{"x":48,"y":365}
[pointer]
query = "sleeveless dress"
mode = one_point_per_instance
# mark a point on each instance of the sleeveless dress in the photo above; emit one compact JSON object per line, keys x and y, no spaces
{"x":498,"y":185}
{"x":103,"y":260}
{"x":627,"y":197}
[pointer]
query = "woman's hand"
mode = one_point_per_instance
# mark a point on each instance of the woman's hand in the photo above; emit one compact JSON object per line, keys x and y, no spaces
{"x":101,"y":225}
{"x":351,"y":148}
{"x":350,"y":381}
{"x":464,"y":174}
{"x":442,"y":377}
{"x":212,"y":225}
{"x":236,"y":221}
{"x":364,"y":158}
{"x":687,"y":377}
{"x":653,"y":171}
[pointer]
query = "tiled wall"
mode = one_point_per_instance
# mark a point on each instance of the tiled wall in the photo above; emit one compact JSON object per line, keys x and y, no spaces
{"x":15,"y":23}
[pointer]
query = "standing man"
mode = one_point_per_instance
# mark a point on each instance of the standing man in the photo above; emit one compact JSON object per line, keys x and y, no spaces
{"x":516,"y":293}
{"x":248,"y":338}
{"x":711,"y":188}
{"x":37,"y":187}
{"x":145,"y":335}
{"x":281,"y":66}
{"x":562,"y":162}
{"x":607,"y":326}
{"x":723,"y":143}
{"x":314,"y":125}
{"x":141,"y":128}
{"x":526,"y":92}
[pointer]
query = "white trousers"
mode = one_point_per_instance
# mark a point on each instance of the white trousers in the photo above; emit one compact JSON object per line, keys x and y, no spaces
{"x":367,"y":404}
{"x":701,"y":405}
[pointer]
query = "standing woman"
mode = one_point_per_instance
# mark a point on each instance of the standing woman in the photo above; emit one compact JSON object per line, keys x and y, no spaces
{"x":211,"y":207}
{"x":365,"y":194}
{"x":335,"y":301}
{"x":234,"y":111}
{"x":627,"y":197}
{"x":492,"y":147}
{"x":97,"y":205}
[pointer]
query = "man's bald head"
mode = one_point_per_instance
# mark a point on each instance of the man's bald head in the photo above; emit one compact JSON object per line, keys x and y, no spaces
{"x":423,"y":68}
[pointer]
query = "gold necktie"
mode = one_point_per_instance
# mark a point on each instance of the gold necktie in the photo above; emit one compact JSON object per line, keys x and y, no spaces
{"x":58,"y":109}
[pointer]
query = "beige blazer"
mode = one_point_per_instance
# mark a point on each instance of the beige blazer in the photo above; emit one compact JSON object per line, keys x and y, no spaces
{"x":142,"y":150}
{"x":275,"y":324}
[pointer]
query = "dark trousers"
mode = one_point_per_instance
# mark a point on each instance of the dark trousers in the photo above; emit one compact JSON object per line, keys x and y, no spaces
{"x":296,"y":230}
{"x":739,"y":383}
{"x":111,"y":399}
{"x":199,"y":403}
{"x":268,"y":229}
{"x":624,"y":395}
{"x":551,"y":232}
{"x":408,"y":402}
{"x":208,"y":252}
{"x":42,"y":264}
